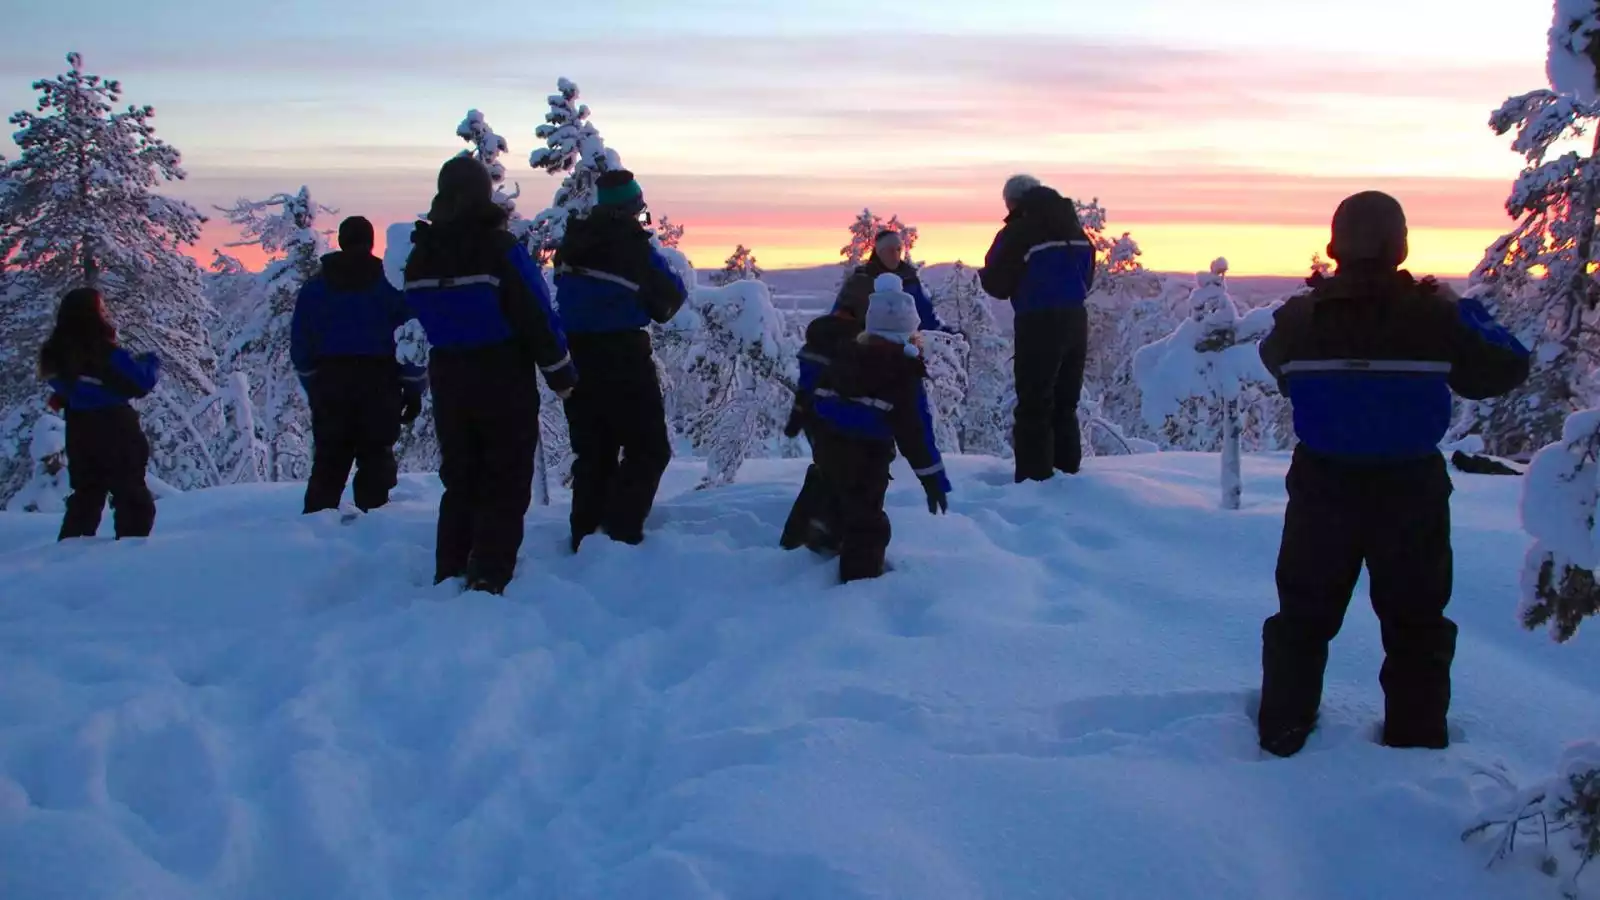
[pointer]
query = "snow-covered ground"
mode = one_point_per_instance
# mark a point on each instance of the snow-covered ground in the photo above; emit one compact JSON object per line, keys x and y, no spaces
{"x":1047,"y":698}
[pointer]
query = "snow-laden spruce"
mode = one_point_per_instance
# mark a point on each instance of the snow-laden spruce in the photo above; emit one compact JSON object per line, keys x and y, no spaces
{"x":1212,"y":357}
{"x":285,"y":227}
{"x":1537,"y":279}
{"x":486,"y":148}
{"x":574,"y":147}
{"x":1560,"y":494}
{"x":80,"y":208}
{"x":983,"y":423}
{"x":669,"y":234}
{"x":740,"y":266}
{"x":47,"y":490}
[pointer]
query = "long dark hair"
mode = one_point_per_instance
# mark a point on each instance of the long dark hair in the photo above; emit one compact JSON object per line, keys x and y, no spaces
{"x":82,"y":336}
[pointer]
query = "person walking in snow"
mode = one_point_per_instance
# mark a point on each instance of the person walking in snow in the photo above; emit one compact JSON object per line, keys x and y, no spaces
{"x":888,"y":255}
{"x":868,"y":401}
{"x":91,"y":380}
{"x":612,"y":284}
{"x":1368,"y":358}
{"x":814,"y":519}
{"x":1043,"y":262}
{"x":341,"y":341}
{"x":491,"y":328}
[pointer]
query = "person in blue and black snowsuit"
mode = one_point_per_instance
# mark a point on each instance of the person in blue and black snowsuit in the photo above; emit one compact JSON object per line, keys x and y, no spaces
{"x":491,"y":330}
{"x":867,"y":402}
{"x":813,"y":520}
{"x":91,"y":380}
{"x":1369,"y":358}
{"x":612,"y":283}
{"x":888,"y":255}
{"x":341,"y":341}
{"x":1043,"y":262}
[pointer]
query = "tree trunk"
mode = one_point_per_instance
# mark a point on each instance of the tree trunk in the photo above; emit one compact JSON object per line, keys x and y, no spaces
{"x":1232,"y":481}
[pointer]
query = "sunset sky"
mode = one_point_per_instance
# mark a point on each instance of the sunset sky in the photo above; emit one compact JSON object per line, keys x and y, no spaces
{"x":1230,"y":127}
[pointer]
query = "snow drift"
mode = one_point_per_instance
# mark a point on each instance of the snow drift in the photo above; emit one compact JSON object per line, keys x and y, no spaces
{"x":1047,"y":698}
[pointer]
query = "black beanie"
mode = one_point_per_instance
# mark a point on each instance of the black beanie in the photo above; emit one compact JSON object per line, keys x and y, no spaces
{"x":1369,"y":227}
{"x":356,"y":235}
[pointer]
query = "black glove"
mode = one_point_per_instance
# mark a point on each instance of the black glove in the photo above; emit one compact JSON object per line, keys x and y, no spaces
{"x":937,"y":501}
{"x":794,"y":426}
{"x":410,"y":406}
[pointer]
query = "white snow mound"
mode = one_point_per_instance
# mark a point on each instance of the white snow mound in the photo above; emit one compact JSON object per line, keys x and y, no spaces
{"x":1048,"y":697}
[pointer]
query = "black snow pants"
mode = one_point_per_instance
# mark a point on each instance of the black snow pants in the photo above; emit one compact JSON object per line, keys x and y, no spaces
{"x":107,"y":454}
{"x":856,"y":472}
{"x":486,"y":413}
{"x":615,"y":411}
{"x":355,"y":420}
{"x":1396,"y":520}
{"x":1051,"y":347}
{"x":814,"y":519}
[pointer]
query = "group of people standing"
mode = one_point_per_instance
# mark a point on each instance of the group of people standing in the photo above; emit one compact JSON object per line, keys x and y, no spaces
{"x":1368,"y":358}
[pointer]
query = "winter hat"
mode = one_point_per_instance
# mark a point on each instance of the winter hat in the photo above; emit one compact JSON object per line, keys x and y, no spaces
{"x":355,"y":235}
{"x":1369,"y":227}
{"x":464,"y":183}
{"x":1016,"y":186}
{"x":618,"y":188}
{"x":891,"y":312}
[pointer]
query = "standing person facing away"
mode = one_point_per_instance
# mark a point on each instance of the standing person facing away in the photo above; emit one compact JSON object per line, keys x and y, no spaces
{"x":1368,"y":358}
{"x":868,"y":401}
{"x":491,"y":329}
{"x":1043,"y":262}
{"x":888,"y":256}
{"x":341,"y":341}
{"x":91,"y":380}
{"x":612,"y":283}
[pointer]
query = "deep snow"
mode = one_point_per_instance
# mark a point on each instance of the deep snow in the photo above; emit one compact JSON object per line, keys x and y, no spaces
{"x":1047,"y":698}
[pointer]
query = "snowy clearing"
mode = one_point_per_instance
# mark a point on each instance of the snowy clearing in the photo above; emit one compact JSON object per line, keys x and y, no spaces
{"x":1047,"y":698}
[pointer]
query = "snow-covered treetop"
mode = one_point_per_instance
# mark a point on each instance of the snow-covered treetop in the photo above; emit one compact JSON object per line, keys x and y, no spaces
{"x":1212,"y":353}
{"x":279,"y":224}
{"x":862,"y":231}
{"x":1124,"y":256}
{"x":740,"y":266}
{"x":79,"y":201}
{"x":1574,"y":49}
{"x":908,"y":233}
{"x":668,"y":233}
{"x":486,"y":148}
{"x":573,"y":146}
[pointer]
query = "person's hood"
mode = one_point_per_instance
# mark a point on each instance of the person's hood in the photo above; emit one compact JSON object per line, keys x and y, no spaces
{"x":345,"y":271}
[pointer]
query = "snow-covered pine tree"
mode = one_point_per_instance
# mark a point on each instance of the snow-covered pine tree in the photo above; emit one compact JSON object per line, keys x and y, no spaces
{"x":668,"y":233}
{"x":80,"y":208}
{"x":985,"y":418}
{"x":1539,"y":278}
{"x":862,"y":232}
{"x":486,"y":147}
{"x":740,"y":266}
{"x":572,"y":146}
{"x":946,"y":358}
{"x":47,"y":491}
{"x":1212,"y":356}
{"x":283,"y":226}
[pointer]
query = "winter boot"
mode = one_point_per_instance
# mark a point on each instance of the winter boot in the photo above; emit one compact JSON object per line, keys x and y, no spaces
{"x":1286,"y":741}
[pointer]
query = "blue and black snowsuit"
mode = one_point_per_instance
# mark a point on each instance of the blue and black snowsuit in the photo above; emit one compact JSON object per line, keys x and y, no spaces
{"x":1369,"y":358}
{"x":491,"y":330}
{"x":867,"y":402}
{"x":856,"y":292}
{"x":107,"y":452}
{"x":814,"y":519}
{"x":342,"y":346}
{"x":1043,"y":262}
{"x":611,"y":284}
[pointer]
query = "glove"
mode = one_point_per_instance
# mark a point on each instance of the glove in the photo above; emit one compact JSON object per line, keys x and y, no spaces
{"x":411,"y":405}
{"x":938,"y":502}
{"x":793,"y":427}
{"x":562,"y":380}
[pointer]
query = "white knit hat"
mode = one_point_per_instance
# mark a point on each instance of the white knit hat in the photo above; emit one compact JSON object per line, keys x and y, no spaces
{"x":891,"y":312}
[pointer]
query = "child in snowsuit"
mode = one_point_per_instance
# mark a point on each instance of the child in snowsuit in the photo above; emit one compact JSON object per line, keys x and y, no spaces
{"x":612,"y":283}
{"x":1043,"y":262}
{"x":813,"y":521}
{"x":341,"y":341}
{"x":91,"y":380}
{"x":1368,"y":358}
{"x":491,"y":330}
{"x":867,"y":402}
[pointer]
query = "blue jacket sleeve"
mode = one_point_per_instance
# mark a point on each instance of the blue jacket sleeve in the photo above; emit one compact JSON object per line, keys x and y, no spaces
{"x":1489,"y":360}
{"x":302,"y":339}
{"x":533,"y":318}
{"x":925,"y":311}
{"x":1002,"y":269}
{"x":662,"y":293}
{"x":137,"y":374}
